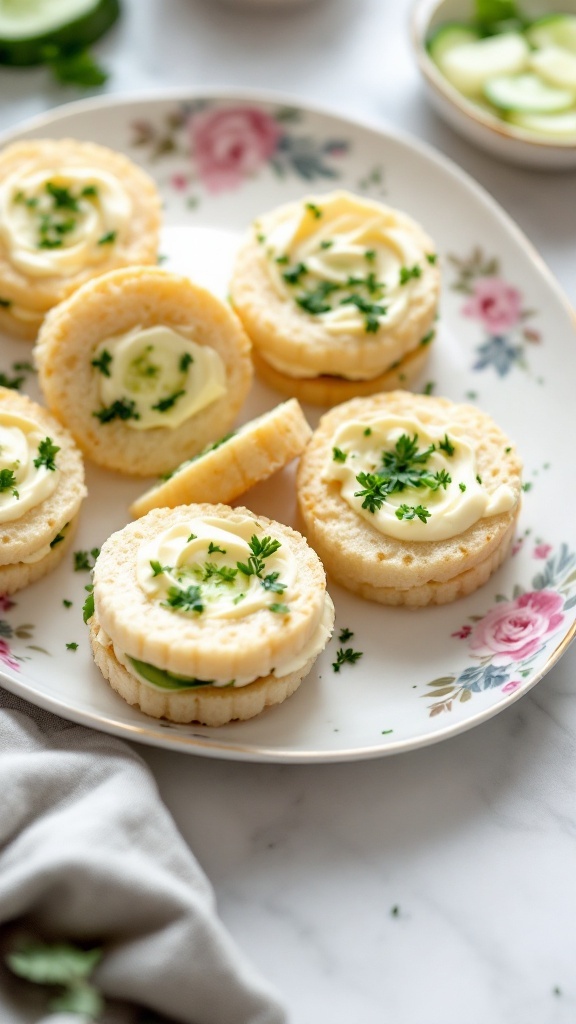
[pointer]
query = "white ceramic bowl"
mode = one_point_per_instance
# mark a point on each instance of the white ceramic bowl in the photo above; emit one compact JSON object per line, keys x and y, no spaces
{"x":502,"y":140}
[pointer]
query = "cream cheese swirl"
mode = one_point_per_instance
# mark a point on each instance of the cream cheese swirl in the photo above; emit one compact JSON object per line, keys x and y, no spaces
{"x":23,"y":485}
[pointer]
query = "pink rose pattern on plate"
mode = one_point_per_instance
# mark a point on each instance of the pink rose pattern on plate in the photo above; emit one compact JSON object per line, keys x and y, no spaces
{"x":221,"y":146}
{"x":497,"y":306}
{"x":505,"y":641}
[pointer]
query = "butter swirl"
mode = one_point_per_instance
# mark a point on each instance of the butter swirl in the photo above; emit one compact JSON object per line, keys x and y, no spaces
{"x":358,"y":448}
{"x":20,"y":438}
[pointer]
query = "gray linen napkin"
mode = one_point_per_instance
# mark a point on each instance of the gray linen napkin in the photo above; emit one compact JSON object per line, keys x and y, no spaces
{"x":88,"y":853}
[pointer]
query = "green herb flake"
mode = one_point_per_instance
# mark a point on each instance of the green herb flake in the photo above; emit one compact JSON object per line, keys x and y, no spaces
{"x":446,"y":446}
{"x":462,"y":487}
{"x":345,"y":656}
{"x":427,"y":339}
{"x":279,"y":608}
{"x":8,"y":481}
{"x":432,"y":258}
{"x":413,"y":512}
{"x":66,"y":603}
{"x":102,"y":363}
{"x":185,"y":600}
{"x":429,"y":387}
{"x":57,"y":540}
{"x":121,"y":409}
{"x":314,"y":210}
{"x":167,"y":403}
{"x":410,"y":273}
{"x":507,"y":450}
{"x":62,"y":197}
{"x":157,"y":568}
{"x":5,"y":303}
{"x":192,"y":536}
{"x":108,"y":238}
{"x":293,"y":275}
{"x":82,"y":561}
{"x":215,"y":549}
{"x":326,"y":243}
{"x":88,"y":606}
{"x":338,"y":455}
{"x":478,"y":478}
{"x":345,"y":634}
{"x":370,"y":255}
{"x":270,"y":582}
{"x":527,"y":486}
{"x":282,"y":260}
{"x":186,"y":360}
{"x":46,"y":454}
{"x":367,"y":431}
{"x":11,"y":382}
{"x":72,"y":647}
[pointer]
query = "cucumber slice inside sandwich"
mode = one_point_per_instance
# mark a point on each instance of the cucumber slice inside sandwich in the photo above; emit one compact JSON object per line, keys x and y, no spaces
{"x":527,"y":94}
{"x":27,"y":27}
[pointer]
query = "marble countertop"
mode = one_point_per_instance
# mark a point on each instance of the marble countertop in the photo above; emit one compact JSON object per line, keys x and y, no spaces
{"x":435,"y":887}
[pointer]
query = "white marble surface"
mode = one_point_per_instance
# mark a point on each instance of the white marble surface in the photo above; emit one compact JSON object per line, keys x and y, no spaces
{"x":437,"y":887}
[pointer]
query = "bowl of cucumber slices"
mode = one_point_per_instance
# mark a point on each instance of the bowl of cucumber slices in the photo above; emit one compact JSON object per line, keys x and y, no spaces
{"x":503,"y":73}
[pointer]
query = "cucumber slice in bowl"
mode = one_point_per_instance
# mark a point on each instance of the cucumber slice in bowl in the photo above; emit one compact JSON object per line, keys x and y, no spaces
{"x":28,"y":27}
{"x":553,"y":30}
{"x":560,"y":127}
{"x":556,"y":66}
{"x":527,"y":94}
{"x":467,"y":67}
{"x":447,"y":36}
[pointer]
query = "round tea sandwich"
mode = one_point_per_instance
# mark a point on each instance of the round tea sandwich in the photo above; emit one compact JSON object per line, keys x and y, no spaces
{"x":409,"y":499}
{"x":69,"y":210}
{"x":41,"y":491}
{"x":233,"y":464}
{"x":338,"y":295}
{"x":144,"y":367}
{"x":207,"y":613}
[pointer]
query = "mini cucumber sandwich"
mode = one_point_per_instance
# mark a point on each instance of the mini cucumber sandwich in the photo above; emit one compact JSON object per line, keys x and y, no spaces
{"x":41,"y":491}
{"x":207,"y":613}
{"x":234,"y":463}
{"x":144,"y":368}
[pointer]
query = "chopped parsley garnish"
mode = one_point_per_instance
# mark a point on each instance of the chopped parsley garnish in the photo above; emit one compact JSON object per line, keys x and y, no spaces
{"x":185,"y":361}
{"x":270,"y":582}
{"x":446,"y":445}
{"x":72,"y":647}
{"x":89,"y":192}
{"x":374,"y":490}
{"x":191,"y":537}
{"x":345,"y":656}
{"x":108,"y":238}
{"x":413,"y":512}
{"x":5,"y":303}
{"x":261,"y":238}
{"x":314,"y":301}
{"x":8,"y":481}
{"x":121,"y":409}
{"x":82,"y":561}
{"x":282,"y":260}
{"x":527,"y":486}
{"x":345,"y":634}
{"x":462,"y":487}
{"x":11,"y":382}
{"x":326,"y":243}
{"x":371,"y":310}
{"x":166,"y":403}
{"x":293,"y":275}
{"x":46,"y":453}
{"x":429,"y":387}
{"x":478,"y":478}
{"x":188,"y":600}
{"x":102,"y":363}
{"x":367,"y":431}
{"x":432,"y":258}
{"x":314,"y":210}
{"x":427,"y":338}
{"x":66,"y":603}
{"x":408,"y":273}
{"x":215,"y":548}
{"x":338,"y":455}
{"x":222,"y":573}
{"x":157,"y":568}
{"x":63,"y":198}
{"x":57,"y":540}
{"x":88,"y":606}
{"x":279,"y":608}
{"x":370,"y":255}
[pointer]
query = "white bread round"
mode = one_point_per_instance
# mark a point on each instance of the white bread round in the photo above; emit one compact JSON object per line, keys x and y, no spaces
{"x":208,"y":705}
{"x":279,"y":329}
{"x":16,"y":575}
{"x":200,"y":646}
{"x":385,"y":569}
{"x":116,"y":303}
{"x":38,"y":526}
{"x":25,"y":328}
{"x":137,"y":243}
{"x":329,"y":391}
{"x":253,"y":453}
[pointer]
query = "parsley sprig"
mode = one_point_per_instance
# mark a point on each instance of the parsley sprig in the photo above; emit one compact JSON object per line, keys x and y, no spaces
{"x":46,"y":454}
{"x":345,"y":656}
{"x":8,"y":481}
{"x":403,"y":467}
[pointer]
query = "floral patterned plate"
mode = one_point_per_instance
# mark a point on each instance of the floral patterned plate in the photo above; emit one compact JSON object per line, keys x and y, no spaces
{"x":504,"y":342}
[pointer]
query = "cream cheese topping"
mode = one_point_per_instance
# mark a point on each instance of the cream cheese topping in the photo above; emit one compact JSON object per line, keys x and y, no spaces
{"x":204,"y":553}
{"x":20,"y":438}
{"x":57,"y":222}
{"x":453,"y":506}
{"x":286,"y":666}
{"x":352,"y":249}
{"x":163,"y":376}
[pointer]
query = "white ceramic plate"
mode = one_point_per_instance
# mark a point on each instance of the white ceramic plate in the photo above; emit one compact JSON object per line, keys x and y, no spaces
{"x":506,"y":341}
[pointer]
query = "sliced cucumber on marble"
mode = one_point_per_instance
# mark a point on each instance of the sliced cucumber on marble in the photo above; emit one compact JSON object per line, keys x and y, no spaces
{"x":28,"y":28}
{"x":526,"y":94}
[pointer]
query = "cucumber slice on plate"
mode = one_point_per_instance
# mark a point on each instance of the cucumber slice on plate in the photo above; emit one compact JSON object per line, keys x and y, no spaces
{"x":468,"y":66}
{"x":554,"y":126}
{"x":556,"y":66}
{"x":527,"y":94}
{"x":553,"y":30}
{"x":27,"y":27}
{"x":449,"y":35}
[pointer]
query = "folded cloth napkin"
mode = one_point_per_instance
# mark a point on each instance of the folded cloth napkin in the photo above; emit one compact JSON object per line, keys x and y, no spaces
{"x":89,"y":855}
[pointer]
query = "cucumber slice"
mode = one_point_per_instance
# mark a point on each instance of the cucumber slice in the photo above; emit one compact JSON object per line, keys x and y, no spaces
{"x":27,"y":27}
{"x":165,"y":680}
{"x":468,"y":66}
{"x":554,"y":30}
{"x":527,"y":94}
{"x":556,"y":66}
{"x":449,"y":35}
{"x":553,"y":126}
